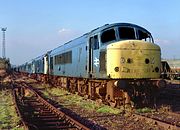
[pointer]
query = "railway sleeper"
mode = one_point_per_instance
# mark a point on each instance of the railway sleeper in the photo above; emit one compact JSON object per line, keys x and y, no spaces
{"x":57,"y":127}
{"x":40,"y":116}
{"x":50,"y":123}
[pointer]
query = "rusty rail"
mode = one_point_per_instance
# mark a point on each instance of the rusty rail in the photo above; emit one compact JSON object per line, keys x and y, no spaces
{"x":37,"y":113}
{"x":163,"y":124}
{"x":18,"y":111}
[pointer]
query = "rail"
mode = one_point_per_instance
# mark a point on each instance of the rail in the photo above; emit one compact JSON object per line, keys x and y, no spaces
{"x":164,"y":124}
{"x":37,"y":113}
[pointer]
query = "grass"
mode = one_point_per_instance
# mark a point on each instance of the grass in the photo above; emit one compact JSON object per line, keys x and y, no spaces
{"x":165,"y":108}
{"x":108,"y":109}
{"x":145,"y":110}
{"x":74,"y":99}
{"x":8,"y":116}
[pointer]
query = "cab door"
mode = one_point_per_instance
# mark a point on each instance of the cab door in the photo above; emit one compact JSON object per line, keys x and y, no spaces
{"x":45,"y":58}
{"x":93,"y":56}
{"x":51,"y":66}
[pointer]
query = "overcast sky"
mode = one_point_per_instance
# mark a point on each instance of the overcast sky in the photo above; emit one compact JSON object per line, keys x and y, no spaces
{"x":36,"y":26}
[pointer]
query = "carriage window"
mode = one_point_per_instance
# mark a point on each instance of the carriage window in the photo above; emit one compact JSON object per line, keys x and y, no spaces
{"x":108,"y":36}
{"x":126,"y":33}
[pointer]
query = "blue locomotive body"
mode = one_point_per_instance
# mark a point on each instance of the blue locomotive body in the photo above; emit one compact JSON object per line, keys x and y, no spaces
{"x":70,"y":59}
{"x":38,"y":65}
{"x":85,"y":56}
{"x":103,"y":62}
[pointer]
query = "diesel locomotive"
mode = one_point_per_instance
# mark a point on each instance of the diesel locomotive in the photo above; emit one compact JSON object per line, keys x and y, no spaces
{"x":116,"y":63}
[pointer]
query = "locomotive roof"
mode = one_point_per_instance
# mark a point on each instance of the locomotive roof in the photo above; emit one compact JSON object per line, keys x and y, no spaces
{"x":103,"y":28}
{"x":97,"y":30}
{"x":92,"y":32}
{"x":117,"y":24}
{"x":109,"y":26}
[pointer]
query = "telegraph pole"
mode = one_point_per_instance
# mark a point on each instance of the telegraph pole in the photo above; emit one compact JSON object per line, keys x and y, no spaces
{"x":3,"y":43}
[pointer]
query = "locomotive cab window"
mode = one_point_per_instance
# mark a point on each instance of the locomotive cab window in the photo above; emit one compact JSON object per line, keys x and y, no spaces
{"x":108,"y":35}
{"x":94,"y":42}
{"x":51,"y":64}
{"x":144,"y":36}
{"x":126,"y":33}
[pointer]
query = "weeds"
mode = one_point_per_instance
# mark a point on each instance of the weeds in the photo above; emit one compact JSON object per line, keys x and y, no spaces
{"x":107,"y":109}
{"x":145,"y":110}
{"x":73,"y":99}
{"x":8,"y":116}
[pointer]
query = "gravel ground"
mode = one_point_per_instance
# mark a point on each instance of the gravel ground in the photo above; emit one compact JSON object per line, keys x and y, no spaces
{"x":107,"y":120}
{"x":105,"y":117}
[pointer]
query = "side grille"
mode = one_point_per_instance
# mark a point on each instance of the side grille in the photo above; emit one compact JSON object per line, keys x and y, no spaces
{"x":102,"y":61}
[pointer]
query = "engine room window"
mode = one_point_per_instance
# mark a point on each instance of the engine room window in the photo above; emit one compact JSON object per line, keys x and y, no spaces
{"x":63,"y":58}
{"x":68,"y":57}
{"x":126,"y":33}
{"x":108,"y":36}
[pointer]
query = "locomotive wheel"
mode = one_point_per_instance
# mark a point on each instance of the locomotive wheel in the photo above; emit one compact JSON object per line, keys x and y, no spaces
{"x":172,"y":77}
{"x":112,"y":104}
{"x":86,"y":96}
{"x":99,"y":101}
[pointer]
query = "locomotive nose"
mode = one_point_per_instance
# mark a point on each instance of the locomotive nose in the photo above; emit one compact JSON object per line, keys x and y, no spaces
{"x":133,"y":59}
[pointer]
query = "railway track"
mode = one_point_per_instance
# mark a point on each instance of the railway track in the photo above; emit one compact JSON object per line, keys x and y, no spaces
{"x":40,"y":115}
{"x":165,"y":123}
{"x":170,"y":96}
{"x":37,"y":114}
